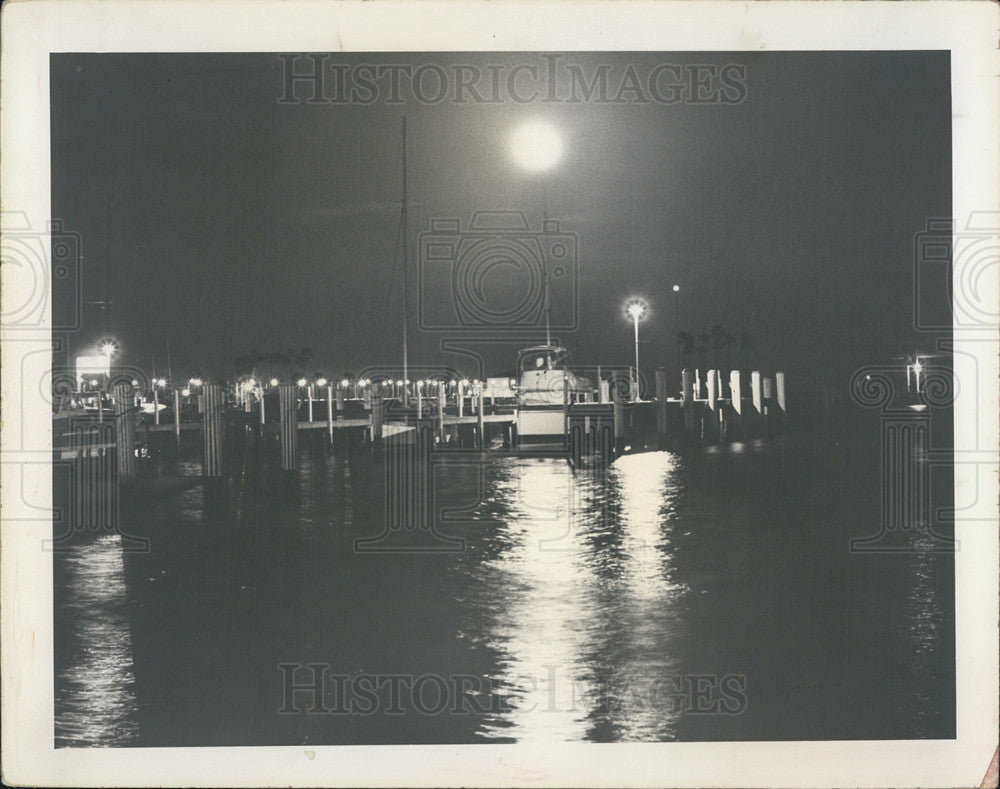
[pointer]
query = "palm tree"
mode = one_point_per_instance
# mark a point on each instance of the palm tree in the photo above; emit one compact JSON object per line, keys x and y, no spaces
{"x":686,"y":341}
{"x":303,"y":356}
{"x":721,"y":341}
{"x":727,"y":344}
{"x":746,"y":346}
{"x":701,"y":348}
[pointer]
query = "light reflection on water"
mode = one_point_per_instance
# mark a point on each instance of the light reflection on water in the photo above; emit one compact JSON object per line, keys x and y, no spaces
{"x":587,"y":633}
{"x":95,"y":697}
{"x":582,"y":598}
{"x":922,"y":626}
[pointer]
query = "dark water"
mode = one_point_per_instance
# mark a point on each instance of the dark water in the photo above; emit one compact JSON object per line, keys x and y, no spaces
{"x":709,"y":595}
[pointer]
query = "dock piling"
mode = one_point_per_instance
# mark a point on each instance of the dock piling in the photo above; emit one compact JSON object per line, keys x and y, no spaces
{"x":687,"y":401}
{"x":440,"y":409}
{"x":377,"y":417}
{"x":619,"y":417}
{"x":289,"y":427}
{"x":329,"y":413}
{"x":735,"y":403}
{"x":125,"y":432}
{"x":661,"y":408}
{"x":213,"y":430}
{"x":756,"y":397}
{"x":177,"y":418}
{"x":481,"y":421}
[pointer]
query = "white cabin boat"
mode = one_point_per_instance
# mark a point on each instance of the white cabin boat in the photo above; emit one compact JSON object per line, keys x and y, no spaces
{"x":546,"y":389}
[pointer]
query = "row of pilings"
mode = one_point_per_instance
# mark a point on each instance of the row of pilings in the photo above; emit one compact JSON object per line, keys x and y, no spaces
{"x":105,"y":456}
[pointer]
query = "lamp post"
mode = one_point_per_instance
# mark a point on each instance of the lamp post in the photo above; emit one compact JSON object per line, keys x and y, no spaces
{"x":158,"y":383}
{"x":637,"y":309}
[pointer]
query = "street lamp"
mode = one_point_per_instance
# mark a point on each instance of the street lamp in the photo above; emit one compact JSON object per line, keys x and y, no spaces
{"x":108,"y":348}
{"x":320,"y":382}
{"x":637,"y":309}
{"x":302,"y":382}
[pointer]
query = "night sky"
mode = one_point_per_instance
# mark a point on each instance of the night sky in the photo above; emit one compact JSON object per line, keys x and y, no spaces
{"x":217,"y":216}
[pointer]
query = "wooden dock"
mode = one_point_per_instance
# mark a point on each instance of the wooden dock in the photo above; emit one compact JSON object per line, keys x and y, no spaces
{"x":706,"y":409}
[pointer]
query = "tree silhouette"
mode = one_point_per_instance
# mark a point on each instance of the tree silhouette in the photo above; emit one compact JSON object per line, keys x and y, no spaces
{"x":746,"y":346}
{"x":303,"y":356}
{"x":686,"y":341}
{"x":701,"y":348}
{"x":721,"y":341}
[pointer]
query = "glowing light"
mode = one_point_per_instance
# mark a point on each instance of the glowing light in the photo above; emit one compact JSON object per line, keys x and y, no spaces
{"x":535,"y":146}
{"x":251,"y":382}
{"x":195,"y":382}
{"x":108,"y":349}
{"x":274,"y":382}
{"x":677,"y":288}
{"x":320,"y":382}
{"x":186,"y":392}
{"x":347,"y":382}
{"x":302,"y":382}
{"x":636,"y":309}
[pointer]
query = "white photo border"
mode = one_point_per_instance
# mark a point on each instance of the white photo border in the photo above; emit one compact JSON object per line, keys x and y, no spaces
{"x":34,"y":29}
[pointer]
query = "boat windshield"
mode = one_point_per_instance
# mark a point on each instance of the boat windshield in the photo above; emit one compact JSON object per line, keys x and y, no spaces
{"x":541,"y":359}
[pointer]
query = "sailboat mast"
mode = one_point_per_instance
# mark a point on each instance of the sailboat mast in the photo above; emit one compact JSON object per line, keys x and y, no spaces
{"x":545,"y":273}
{"x":548,"y":333}
{"x":405,"y":232}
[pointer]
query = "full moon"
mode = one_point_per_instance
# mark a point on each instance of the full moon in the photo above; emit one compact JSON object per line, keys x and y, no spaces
{"x":535,"y":146}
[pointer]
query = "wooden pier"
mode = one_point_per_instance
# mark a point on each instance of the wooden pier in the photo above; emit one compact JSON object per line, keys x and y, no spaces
{"x":708,"y":408}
